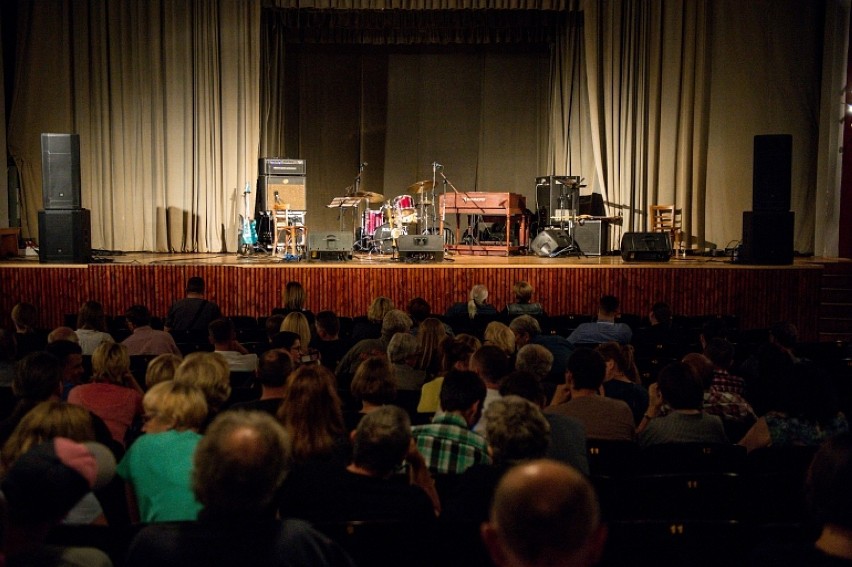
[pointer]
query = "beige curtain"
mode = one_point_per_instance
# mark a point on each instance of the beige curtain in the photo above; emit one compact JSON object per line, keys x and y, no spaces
{"x":164,"y":95}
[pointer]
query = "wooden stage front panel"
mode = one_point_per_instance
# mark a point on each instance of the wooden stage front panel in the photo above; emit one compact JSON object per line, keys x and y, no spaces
{"x":759,"y":295}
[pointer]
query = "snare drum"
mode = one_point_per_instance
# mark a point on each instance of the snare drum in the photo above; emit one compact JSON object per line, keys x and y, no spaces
{"x":405,"y":205}
{"x":372,"y":220}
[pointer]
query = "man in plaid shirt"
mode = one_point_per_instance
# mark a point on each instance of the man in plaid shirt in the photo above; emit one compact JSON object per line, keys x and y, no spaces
{"x":724,"y":396}
{"x":447,"y":444}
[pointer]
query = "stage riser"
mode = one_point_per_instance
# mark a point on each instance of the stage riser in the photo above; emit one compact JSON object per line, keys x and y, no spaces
{"x":760,"y":296}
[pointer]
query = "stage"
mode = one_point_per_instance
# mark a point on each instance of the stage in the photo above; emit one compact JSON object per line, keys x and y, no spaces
{"x":251,"y":285}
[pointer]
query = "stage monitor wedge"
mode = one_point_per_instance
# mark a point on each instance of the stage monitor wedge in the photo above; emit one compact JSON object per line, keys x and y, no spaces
{"x":646,"y":247}
{"x":60,"y":171}
{"x":330,"y":246}
{"x":421,"y":248}
{"x":550,"y":243}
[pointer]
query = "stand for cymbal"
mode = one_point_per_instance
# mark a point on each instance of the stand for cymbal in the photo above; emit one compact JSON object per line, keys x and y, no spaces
{"x":569,"y":192}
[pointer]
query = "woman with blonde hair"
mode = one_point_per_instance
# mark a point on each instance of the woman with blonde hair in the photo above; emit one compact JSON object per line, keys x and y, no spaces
{"x":91,"y":327}
{"x":158,"y":466}
{"x":430,"y":334}
{"x":161,"y":368}
{"x":298,"y":323}
{"x":311,"y":413}
{"x":293,"y":298}
{"x":500,"y":335}
{"x":370,"y":327}
{"x":49,"y":420}
{"x":209,"y":372}
{"x":113,"y":394}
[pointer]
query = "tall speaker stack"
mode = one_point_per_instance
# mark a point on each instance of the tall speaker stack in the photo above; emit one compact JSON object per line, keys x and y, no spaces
{"x":768,"y":227}
{"x":64,"y":227}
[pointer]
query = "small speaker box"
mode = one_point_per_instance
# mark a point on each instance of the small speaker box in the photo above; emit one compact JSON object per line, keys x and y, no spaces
{"x":420,"y":248}
{"x":646,"y":247}
{"x":330,"y":246}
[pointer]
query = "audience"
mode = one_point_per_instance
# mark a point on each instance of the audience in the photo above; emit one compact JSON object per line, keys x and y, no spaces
{"x":491,"y":364}
{"x":223,"y":337}
{"x":455,"y":355}
{"x":403,"y":353}
{"x":500,"y":335}
{"x":605,"y":328}
{"x":522,"y":292}
{"x":395,"y":321}
{"x":273,"y":369}
{"x":296,"y":322}
{"x":70,"y":357}
{"x":91,"y":327}
{"x":528,"y":331}
{"x":621,"y":380}
{"x":293,"y":299}
{"x":194,"y":312}
{"x":161,"y":368}
{"x":662,"y":330}
{"x":724,"y":395}
{"x":209,"y":372}
{"x":143,"y":338}
{"x":65,"y":334}
{"x":26,"y":337}
{"x":327,"y":341}
{"x":477,"y":304}
{"x":373,"y":386}
{"x":370,"y":326}
{"x":430,"y":334}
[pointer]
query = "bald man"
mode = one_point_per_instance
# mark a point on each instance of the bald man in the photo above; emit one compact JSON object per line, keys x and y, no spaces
{"x":544,"y":513}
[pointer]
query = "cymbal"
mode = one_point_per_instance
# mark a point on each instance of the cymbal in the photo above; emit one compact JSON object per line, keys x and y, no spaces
{"x":371,"y":197}
{"x":420,"y":187}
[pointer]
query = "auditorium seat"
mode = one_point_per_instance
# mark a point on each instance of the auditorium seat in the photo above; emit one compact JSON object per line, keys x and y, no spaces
{"x":691,"y":457}
{"x":775,"y":484}
{"x":388,"y":543}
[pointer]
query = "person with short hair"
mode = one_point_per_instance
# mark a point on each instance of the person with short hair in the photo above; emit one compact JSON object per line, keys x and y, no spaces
{"x":544,"y":513}
{"x":209,"y":372}
{"x":223,"y":337}
{"x":70,"y":356}
{"x":491,"y":364}
{"x":327,"y":341}
{"x":373,"y":386}
{"x":27,"y":337}
{"x":604,"y":328}
{"x":38,"y":377}
{"x":500,"y":335}
{"x":143,"y":338}
{"x":274,"y":366}
{"x":158,"y":466}
{"x":522,"y":292}
{"x":63,"y":333}
{"x":238,"y":469}
{"x":403,"y":352}
{"x":528,"y":331}
{"x":161,"y":368}
{"x":395,"y":321}
{"x":194,"y":312}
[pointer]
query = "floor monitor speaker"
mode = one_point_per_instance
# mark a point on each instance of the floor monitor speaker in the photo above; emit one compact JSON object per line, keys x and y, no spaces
{"x":646,"y":247}
{"x":333,"y":246}
{"x":550,"y":242}
{"x":420,"y":247}
{"x":60,"y":171}
{"x":767,"y":238}
{"x":773,"y":158}
{"x":65,"y":236}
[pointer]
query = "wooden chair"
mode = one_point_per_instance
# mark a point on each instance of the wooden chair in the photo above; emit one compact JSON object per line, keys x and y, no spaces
{"x":667,"y":218}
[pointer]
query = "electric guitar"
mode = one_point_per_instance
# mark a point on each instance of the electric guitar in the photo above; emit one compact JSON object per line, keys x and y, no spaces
{"x":248,"y":230}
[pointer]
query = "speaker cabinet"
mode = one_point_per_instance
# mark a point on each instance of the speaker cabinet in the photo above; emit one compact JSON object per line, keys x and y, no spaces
{"x":550,"y":242}
{"x":767,"y":238}
{"x":592,"y":236}
{"x":646,"y":247}
{"x":64,"y":236}
{"x":773,"y":158}
{"x":421,"y":247}
{"x":290,"y":190}
{"x":60,"y":171}
{"x":330,"y":246}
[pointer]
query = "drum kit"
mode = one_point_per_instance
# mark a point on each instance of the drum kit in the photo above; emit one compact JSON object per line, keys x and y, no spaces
{"x":382,"y":227}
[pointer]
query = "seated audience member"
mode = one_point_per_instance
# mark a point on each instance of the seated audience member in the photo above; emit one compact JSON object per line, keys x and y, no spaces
{"x":363,"y":490}
{"x":293,"y":299}
{"x":238,"y":469}
{"x":603,"y":418}
{"x":272,"y":372}
{"x":419,"y":310}
{"x":528,"y":331}
{"x":604,"y":329}
{"x":395,"y":321}
{"x":27,"y":337}
{"x":38,"y":378}
{"x":447,"y":444}
{"x":66,"y":334}
{"x":42,"y":486}
{"x":829,"y":497}
{"x":523,"y":305}
{"x":7,"y":372}
{"x":517,"y":431}
{"x":113,"y":394}
{"x":92,"y":327}
{"x":567,"y":435}
{"x":662,"y":330}
{"x":47,"y":421}
{"x":70,"y":357}
{"x":194,"y":312}
{"x":297,"y":323}
{"x":621,"y":380}
{"x":143,"y":339}
{"x":455,"y":355}
{"x":491,"y":364}
{"x":272,"y":325}
{"x":403,"y":354}
{"x":500,"y":335}
{"x":538,"y":361}
{"x":805,"y":411}
{"x":223,"y":337}
{"x":477,"y":304}
{"x":544,"y":513}
{"x":161,"y":368}
{"x":209,"y":372}
{"x":431,"y":333}
{"x":680,"y":388}
{"x":327,"y":341}
{"x":158,"y":466}
{"x":370,"y":326}
{"x":289,"y":342}
{"x":373,"y":386}
{"x":724,"y":395}
{"x":311,"y":413}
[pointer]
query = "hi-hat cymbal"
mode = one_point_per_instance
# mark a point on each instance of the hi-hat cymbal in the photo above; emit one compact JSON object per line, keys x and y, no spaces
{"x":420,"y":187}
{"x":371,"y":197}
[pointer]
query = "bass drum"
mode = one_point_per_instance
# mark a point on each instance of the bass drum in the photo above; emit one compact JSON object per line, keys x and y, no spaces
{"x":385,"y":236}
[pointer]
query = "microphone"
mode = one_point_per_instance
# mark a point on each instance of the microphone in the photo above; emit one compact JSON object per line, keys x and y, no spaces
{"x":437,"y":165}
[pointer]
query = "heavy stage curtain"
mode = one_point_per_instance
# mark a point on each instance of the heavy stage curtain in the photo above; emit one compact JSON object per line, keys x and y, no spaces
{"x":650,"y":101}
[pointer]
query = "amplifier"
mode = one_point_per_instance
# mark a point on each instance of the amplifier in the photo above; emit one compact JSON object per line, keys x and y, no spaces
{"x":421,"y":248}
{"x":592,"y":236}
{"x":281,"y":166}
{"x":330,"y":246}
{"x":289,"y":189}
{"x":646,"y":247}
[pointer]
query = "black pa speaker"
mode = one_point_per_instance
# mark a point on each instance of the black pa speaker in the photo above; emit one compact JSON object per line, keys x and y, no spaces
{"x":60,"y":171}
{"x":592,"y":236}
{"x":64,"y":236}
{"x":646,"y":247}
{"x":330,"y":245}
{"x":773,"y":158}
{"x":420,"y":247}
{"x":767,"y":238}
{"x":550,"y":242}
